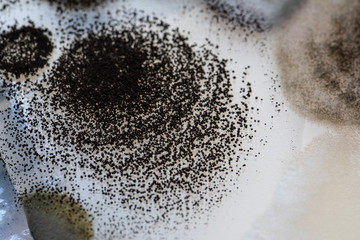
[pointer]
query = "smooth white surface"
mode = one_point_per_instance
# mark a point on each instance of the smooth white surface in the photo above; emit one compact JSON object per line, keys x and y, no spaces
{"x":318,"y":196}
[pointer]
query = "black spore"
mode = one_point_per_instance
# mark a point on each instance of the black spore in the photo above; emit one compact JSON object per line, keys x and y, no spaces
{"x":76,"y":4}
{"x":114,"y":77}
{"x":23,"y":51}
{"x":134,"y":116}
{"x":253,"y":16}
{"x":239,"y":15}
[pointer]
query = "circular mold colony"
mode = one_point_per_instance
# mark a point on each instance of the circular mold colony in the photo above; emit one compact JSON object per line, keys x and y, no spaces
{"x":139,"y":125}
{"x":24,"y":50}
{"x":319,"y":60}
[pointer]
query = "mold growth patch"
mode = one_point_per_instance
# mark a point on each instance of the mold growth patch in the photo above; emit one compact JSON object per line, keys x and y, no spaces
{"x":117,"y":76}
{"x":56,"y":216}
{"x":139,"y":124}
{"x":24,"y":50}
{"x":319,"y":60}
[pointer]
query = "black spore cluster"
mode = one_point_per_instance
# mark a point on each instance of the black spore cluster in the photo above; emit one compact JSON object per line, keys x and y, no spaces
{"x":125,"y":86}
{"x":76,"y":4}
{"x":24,"y":50}
{"x":133,"y":112}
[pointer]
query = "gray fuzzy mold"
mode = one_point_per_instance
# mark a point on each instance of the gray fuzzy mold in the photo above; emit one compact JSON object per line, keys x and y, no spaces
{"x":318,"y":54}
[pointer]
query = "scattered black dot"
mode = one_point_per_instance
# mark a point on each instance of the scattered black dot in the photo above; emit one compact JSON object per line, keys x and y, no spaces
{"x":238,"y":15}
{"x":250,"y":16}
{"x":4,"y":4}
{"x":133,"y":115}
{"x":77,"y":3}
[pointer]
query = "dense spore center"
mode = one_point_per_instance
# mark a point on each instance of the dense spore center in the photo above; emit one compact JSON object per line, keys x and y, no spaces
{"x":104,"y":71}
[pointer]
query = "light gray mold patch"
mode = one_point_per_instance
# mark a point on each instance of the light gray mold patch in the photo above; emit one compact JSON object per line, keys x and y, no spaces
{"x":319,"y":58}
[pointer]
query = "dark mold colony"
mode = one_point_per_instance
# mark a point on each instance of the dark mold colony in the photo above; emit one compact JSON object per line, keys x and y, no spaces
{"x":57,"y":217}
{"x":24,"y":50}
{"x":138,"y":114}
{"x":320,"y":72}
{"x":136,"y":85}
